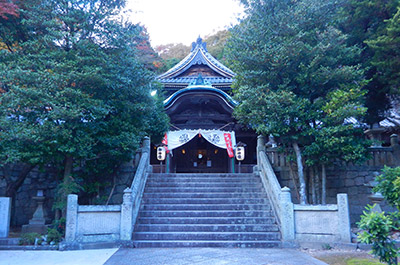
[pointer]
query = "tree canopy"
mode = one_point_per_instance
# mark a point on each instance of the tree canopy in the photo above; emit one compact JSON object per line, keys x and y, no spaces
{"x":297,"y":79}
{"x":365,"y":22}
{"x":74,"y":87}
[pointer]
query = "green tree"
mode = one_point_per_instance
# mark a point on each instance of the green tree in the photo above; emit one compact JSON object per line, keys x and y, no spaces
{"x":334,"y":136}
{"x":173,"y":53}
{"x":364,"y":21}
{"x":291,"y":65}
{"x":76,"y":89}
{"x":386,"y":57}
{"x":216,"y":44}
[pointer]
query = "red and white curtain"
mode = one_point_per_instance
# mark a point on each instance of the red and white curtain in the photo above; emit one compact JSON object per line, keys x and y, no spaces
{"x":221,"y":139}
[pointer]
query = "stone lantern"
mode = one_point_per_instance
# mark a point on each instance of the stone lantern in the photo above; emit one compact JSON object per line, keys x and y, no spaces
{"x":37,"y":223}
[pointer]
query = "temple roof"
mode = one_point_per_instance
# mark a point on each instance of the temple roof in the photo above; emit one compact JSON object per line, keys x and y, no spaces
{"x":203,"y":85}
{"x":198,"y":61}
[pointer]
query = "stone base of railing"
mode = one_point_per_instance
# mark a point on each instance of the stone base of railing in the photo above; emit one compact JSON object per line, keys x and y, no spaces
{"x":95,"y":245}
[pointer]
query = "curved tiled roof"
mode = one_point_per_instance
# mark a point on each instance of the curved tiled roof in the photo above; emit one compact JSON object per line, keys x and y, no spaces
{"x":204,"y":88}
{"x":188,"y":80}
{"x":198,"y":56}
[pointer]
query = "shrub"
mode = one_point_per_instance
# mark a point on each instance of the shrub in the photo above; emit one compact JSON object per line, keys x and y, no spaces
{"x":378,"y":227}
{"x":30,"y":238}
{"x":53,"y":236}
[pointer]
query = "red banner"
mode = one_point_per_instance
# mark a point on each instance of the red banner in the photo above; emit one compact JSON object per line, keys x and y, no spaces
{"x":228,"y":142}
{"x":165,"y":141}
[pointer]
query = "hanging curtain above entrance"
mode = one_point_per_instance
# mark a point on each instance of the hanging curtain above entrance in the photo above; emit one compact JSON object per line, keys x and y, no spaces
{"x":221,"y":139}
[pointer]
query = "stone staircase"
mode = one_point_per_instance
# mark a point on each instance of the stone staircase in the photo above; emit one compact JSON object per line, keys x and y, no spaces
{"x":205,"y":210}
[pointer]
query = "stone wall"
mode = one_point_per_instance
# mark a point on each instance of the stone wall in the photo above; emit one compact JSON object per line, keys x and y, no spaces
{"x":23,"y":206}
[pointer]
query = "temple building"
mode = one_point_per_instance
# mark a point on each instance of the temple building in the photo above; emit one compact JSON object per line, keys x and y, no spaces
{"x":203,"y":133}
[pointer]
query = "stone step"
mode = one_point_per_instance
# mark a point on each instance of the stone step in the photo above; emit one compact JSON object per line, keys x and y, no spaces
{"x":202,"y":175}
{"x":207,"y":228}
{"x":201,"y":189}
{"x":205,"y":210}
{"x":205,"y":214}
{"x":197,"y":207}
{"x":206,"y":220}
{"x":205,"y":201}
{"x":268,"y":236}
{"x":203,"y":185}
{"x":188,"y":195}
{"x":7,"y":241}
{"x":202,"y":180}
{"x":204,"y":243}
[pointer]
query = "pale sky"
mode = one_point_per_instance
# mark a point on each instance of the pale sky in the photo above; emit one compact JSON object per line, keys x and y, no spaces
{"x":182,"y":21}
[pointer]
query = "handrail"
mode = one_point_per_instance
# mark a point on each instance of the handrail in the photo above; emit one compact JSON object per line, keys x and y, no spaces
{"x":271,"y":184}
{"x":140,"y":179}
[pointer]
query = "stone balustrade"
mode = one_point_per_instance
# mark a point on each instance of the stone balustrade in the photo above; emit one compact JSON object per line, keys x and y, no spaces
{"x":379,"y":156}
{"x":107,"y":223}
{"x":303,"y":223}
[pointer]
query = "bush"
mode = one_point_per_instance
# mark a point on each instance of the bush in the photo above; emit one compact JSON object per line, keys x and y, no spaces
{"x":379,"y":227}
{"x":30,"y":238}
{"x":59,"y":225}
{"x":53,"y":236}
{"x":389,"y":185}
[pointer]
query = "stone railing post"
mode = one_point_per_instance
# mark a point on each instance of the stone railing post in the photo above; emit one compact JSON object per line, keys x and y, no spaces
{"x":126,"y":215}
{"x":260,"y":148}
{"x":72,"y":218}
{"x":344,"y":218}
{"x":287,"y":216}
{"x":146,"y":145}
{"x":5,"y":212}
{"x":394,"y":143}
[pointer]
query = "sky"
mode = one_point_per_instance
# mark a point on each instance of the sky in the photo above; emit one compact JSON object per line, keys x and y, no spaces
{"x":182,"y":21}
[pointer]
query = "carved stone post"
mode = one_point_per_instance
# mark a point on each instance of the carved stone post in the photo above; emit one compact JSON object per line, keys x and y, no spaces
{"x":260,"y":148}
{"x":146,"y":145}
{"x":72,"y":218}
{"x":287,"y":216}
{"x":126,"y":215}
{"x":344,"y":218}
{"x":394,"y":143}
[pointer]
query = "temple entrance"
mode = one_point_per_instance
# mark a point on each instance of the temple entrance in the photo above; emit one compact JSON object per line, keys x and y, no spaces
{"x":200,"y":156}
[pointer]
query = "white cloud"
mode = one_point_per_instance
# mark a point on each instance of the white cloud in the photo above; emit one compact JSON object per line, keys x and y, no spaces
{"x":182,"y":21}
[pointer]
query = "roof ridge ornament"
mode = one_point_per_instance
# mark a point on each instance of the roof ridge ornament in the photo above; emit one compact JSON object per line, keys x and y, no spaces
{"x":200,"y":81}
{"x":199,"y":42}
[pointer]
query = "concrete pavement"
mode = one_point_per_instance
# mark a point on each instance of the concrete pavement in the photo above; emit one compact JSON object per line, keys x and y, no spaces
{"x":211,"y":256}
{"x":51,"y":257}
{"x":158,"y":256}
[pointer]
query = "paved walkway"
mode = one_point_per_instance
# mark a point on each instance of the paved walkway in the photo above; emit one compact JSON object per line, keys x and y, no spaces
{"x":159,"y":256}
{"x":210,"y":256}
{"x":51,"y":257}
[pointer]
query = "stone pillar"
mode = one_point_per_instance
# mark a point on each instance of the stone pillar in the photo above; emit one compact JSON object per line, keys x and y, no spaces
{"x":375,"y":134}
{"x":126,"y":228}
{"x":146,"y":145}
{"x":344,"y":218}
{"x":72,"y":218}
{"x":394,"y":140}
{"x":5,"y":213}
{"x":394,"y":143}
{"x":260,"y":148}
{"x":287,"y":216}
